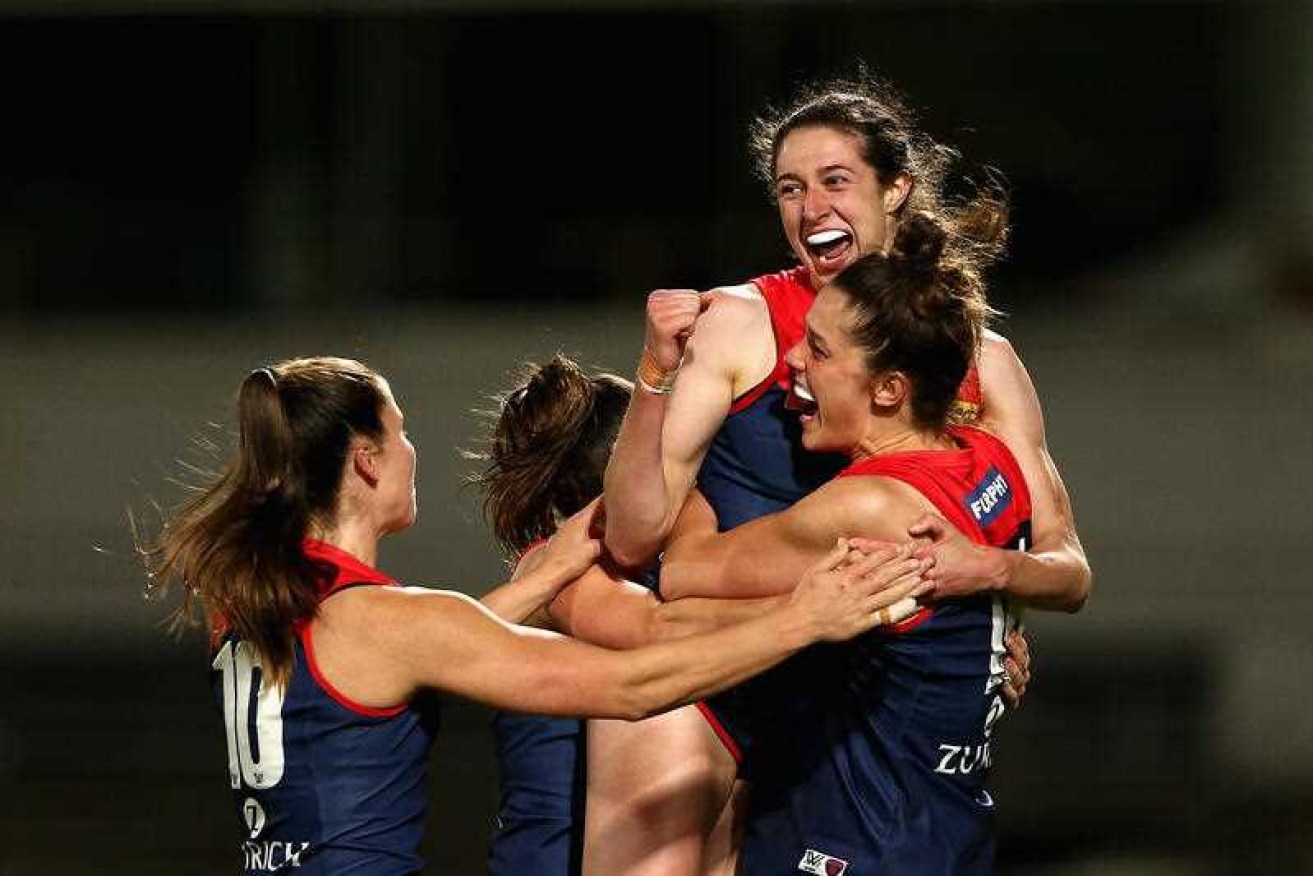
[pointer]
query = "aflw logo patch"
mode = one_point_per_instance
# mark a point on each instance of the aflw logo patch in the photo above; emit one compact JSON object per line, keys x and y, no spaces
{"x":822,"y":864}
{"x":990,"y":497}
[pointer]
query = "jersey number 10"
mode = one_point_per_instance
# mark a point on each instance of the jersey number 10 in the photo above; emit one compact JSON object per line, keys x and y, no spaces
{"x":260,"y":765}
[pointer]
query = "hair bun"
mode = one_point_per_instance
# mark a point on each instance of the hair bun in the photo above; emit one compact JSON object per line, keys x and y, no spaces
{"x":920,"y":242}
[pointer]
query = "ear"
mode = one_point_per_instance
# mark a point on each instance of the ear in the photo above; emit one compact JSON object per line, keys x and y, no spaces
{"x":896,"y":193}
{"x":889,"y":390}
{"x":364,"y":462}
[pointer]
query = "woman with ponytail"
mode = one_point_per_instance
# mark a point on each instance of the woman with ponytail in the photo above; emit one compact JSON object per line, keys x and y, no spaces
{"x":873,"y":755}
{"x":320,"y":660}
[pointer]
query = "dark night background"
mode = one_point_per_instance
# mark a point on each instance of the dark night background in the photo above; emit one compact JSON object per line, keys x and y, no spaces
{"x":191,"y":189}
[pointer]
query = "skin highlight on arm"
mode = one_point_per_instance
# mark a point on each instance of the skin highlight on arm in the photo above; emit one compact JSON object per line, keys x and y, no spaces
{"x":1054,"y":573}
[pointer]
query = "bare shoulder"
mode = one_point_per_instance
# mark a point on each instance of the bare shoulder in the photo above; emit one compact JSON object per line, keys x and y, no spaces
{"x":733,"y":336}
{"x":997,"y":355}
{"x":870,"y":505}
{"x":732,"y":307}
{"x":375,"y":615}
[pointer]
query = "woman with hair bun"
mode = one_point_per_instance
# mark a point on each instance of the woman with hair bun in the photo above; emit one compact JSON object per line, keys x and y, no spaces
{"x":320,"y":660}
{"x":547,"y":452}
{"x":874,"y":753}
{"x":844,"y":161}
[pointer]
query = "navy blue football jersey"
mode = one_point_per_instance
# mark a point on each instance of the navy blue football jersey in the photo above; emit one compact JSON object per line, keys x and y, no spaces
{"x":322,"y":785}
{"x":882,"y":766}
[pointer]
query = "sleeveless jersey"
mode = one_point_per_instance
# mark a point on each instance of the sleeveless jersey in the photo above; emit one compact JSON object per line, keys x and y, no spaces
{"x":884,"y":770}
{"x":756,"y":465}
{"x":322,"y":785}
{"x":540,"y":818}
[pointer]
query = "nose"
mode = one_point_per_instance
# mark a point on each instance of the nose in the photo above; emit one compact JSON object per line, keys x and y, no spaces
{"x":815,"y":204}
{"x":793,"y":357}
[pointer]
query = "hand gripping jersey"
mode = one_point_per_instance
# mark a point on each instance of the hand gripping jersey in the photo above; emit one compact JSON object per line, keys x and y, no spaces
{"x":756,"y":465}
{"x":884,"y":769}
{"x":322,"y":785}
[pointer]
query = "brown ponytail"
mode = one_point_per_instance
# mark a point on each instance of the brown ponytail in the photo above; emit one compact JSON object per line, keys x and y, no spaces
{"x":237,"y":547}
{"x":549,"y":448}
{"x":919,"y":309}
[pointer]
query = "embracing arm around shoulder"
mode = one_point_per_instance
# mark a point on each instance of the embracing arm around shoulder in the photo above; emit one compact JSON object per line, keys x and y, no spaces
{"x":664,"y":437}
{"x":604,"y":609}
{"x":767,"y":556}
{"x":1054,"y":574}
{"x":381,"y":645}
{"x":547,"y":567}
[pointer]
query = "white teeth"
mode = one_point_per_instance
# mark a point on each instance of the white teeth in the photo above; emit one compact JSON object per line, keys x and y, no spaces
{"x":802,"y":392}
{"x":821,"y":238}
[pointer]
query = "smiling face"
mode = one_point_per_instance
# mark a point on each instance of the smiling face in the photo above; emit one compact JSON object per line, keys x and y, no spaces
{"x":831,"y":377}
{"x":833,"y":207}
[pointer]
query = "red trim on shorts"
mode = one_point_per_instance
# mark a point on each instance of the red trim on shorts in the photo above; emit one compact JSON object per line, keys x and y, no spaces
{"x":726,"y":738}
{"x":307,"y":643}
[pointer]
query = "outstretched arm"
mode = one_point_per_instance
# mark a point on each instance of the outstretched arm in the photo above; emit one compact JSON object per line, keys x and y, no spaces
{"x":604,"y":609}
{"x":1054,"y":573}
{"x":381,"y":645}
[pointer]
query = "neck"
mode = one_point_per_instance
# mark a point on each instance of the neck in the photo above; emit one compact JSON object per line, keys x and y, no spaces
{"x":906,"y":438}
{"x":353,"y":537}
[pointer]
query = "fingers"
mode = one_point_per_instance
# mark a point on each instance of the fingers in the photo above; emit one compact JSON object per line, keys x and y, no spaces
{"x":887,"y":584}
{"x":835,"y":559}
{"x":870,"y":545}
{"x":1018,"y":649}
{"x":930,"y":526}
{"x":898,"y":612}
{"x":883,"y":567}
{"x":1017,"y":668}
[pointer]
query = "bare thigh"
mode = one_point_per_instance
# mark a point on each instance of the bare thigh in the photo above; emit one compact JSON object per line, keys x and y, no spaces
{"x":656,"y":789}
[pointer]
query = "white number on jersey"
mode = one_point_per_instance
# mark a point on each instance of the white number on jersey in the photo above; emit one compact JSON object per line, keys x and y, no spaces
{"x":243,"y":677}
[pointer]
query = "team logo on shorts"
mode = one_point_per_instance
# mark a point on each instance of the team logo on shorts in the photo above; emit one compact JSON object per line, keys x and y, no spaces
{"x":822,"y":864}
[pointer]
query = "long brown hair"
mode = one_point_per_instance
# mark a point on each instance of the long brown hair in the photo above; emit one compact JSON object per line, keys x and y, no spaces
{"x":549,"y":448}
{"x":236,"y":548}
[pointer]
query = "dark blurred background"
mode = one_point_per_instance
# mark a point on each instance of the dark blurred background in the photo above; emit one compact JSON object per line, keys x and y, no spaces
{"x":190,"y":189}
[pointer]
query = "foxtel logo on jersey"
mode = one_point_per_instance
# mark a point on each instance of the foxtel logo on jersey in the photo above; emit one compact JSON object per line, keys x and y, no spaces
{"x":990,"y":497}
{"x":822,"y":864}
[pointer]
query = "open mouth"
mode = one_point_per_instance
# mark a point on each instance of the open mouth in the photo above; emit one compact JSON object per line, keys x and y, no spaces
{"x":828,"y":248}
{"x":801,"y":400}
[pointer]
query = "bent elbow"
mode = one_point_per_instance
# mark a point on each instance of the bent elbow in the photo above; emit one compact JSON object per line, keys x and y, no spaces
{"x":1080,"y":592}
{"x":629,"y":555}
